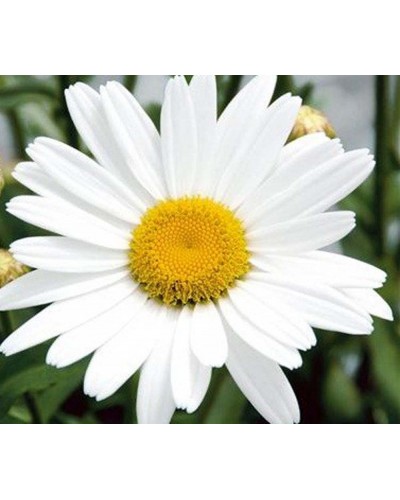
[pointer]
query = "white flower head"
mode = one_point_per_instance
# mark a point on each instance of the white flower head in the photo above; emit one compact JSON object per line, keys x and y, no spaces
{"x":190,"y":249}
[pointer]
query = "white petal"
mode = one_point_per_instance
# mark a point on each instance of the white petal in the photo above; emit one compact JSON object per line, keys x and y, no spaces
{"x":203,"y":91}
{"x":250,"y":101}
{"x":179,"y":138}
{"x":36,"y":179}
{"x":57,"y":253}
{"x":371,"y":301}
{"x":272,"y":317}
{"x":301,"y":235}
{"x":296,"y":147}
{"x":256,"y":338}
{"x":85,"y":179}
{"x":244,"y":114}
{"x":201,"y":382}
{"x":117,"y":360}
{"x":88,"y":115}
{"x":320,"y":305}
{"x":208,"y":339}
{"x":318,"y":190}
{"x":181,"y":362}
{"x":289,"y":169}
{"x":84,"y":339}
{"x":308,"y":157}
{"x":189,"y":377}
{"x":62,"y":316}
{"x":137,"y":137}
{"x":42,"y":287}
{"x":139,"y":125}
{"x":60,"y":217}
{"x":325,"y":267}
{"x":256,"y":157}
{"x":155,"y":403}
{"x":263,"y":383}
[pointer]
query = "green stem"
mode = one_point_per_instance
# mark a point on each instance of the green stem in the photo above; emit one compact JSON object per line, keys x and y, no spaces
{"x":17,"y":133}
{"x":396,"y":121}
{"x":33,"y":408}
{"x":284,"y":85}
{"x":130,"y":411}
{"x":6,"y":324}
{"x":30,"y":401}
{"x":395,"y":146}
{"x":216,"y":383}
{"x":70,"y":131}
{"x":382,"y":148}
{"x":383,"y":129}
{"x":130,"y":82}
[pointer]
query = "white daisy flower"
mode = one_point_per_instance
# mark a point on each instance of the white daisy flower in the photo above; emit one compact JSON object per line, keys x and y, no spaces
{"x":190,"y":250}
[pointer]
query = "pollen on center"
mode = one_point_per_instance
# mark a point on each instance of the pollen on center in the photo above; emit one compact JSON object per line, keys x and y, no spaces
{"x":188,"y":250}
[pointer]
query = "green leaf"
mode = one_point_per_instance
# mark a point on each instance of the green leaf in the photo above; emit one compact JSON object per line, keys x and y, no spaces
{"x":181,"y":417}
{"x":228,"y":402}
{"x":67,"y":380}
{"x":223,"y":404}
{"x":385,"y":353}
{"x":13,"y":97}
{"x":34,"y":378}
{"x":341,"y":397}
{"x":395,"y":128}
{"x":9,"y":419}
{"x":65,"y":418}
{"x":27,"y":372}
{"x":228,"y":405}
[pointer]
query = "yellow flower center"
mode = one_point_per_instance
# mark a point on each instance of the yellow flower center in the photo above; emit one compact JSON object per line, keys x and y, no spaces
{"x":188,"y":250}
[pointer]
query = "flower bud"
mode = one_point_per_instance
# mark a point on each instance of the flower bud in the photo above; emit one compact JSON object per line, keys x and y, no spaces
{"x":10,"y":269}
{"x":310,"y":121}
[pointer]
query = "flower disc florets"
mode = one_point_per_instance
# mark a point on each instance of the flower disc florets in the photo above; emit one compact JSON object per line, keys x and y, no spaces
{"x":188,"y":250}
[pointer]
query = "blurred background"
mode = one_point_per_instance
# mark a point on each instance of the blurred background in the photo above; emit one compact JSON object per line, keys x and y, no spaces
{"x":344,"y":379}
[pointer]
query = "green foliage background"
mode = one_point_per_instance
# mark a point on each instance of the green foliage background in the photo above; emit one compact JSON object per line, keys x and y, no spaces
{"x":344,"y":379}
